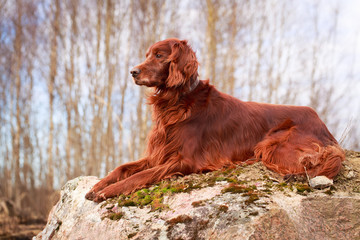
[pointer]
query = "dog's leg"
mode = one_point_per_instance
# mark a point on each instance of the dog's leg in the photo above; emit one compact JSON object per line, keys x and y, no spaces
{"x":118,"y":174}
{"x":144,"y":178}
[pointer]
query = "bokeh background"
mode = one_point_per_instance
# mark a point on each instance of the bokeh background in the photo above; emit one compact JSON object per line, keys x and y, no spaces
{"x":68,"y":106}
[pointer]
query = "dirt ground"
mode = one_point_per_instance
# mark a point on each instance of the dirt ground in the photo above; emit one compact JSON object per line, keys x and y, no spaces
{"x":348,"y":179}
{"x":12,"y":228}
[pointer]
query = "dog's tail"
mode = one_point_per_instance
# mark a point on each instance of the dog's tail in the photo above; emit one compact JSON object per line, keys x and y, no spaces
{"x":286,"y":150}
{"x":327,"y":161}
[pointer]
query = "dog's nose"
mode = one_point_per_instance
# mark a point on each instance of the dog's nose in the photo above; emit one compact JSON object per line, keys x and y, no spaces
{"x":135,"y":71}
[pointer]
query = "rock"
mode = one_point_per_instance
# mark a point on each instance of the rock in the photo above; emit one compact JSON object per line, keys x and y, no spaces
{"x":229,"y":205}
{"x":320,"y":182}
{"x":351,"y":174}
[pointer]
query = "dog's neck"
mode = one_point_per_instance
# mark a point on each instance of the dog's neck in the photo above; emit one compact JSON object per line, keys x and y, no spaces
{"x":171,"y":96}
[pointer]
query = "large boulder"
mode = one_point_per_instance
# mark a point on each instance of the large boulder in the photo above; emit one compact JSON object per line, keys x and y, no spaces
{"x":248,"y":202}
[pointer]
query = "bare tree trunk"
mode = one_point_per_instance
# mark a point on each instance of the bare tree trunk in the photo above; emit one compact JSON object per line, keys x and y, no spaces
{"x":125,"y":85}
{"x":211,"y":40}
{"x":27,"y":140}
{"x":17,"y":133}
{"x":51,"y":85}
{"x":70,"y":102}
{"x":68,"y":141}
{"x":232,"y":55}
{"x":314,"y":67}
{"x":41,"y":160}
{"x":7,"y":175}
{"x":259,"y":52}
{"x":109,"y":137}
{"x":78,"y":135}
{"x":96,"y":92}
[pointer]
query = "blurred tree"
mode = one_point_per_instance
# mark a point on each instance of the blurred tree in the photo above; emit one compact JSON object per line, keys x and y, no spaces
{"x":16,"y":131}
{"x":53,"y":68}
{"x":212,"y":8}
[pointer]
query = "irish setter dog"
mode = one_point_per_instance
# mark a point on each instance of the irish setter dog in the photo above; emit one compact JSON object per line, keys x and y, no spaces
{"x":198,"y":129}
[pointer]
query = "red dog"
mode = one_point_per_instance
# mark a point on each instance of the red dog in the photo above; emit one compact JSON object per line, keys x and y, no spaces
{"x":197,"y":129}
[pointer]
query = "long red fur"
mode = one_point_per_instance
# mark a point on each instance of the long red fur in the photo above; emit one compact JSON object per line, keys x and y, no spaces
{"x":198,"y":129}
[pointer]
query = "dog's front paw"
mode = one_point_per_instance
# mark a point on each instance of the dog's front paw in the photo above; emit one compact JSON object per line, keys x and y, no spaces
{"x":96,"y":197}
{"x":91,"y":195}
{"x":99,"y":198}
{"x":111,"y":191}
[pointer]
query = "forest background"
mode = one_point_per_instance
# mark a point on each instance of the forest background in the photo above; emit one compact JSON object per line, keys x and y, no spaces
{"x":68,"y":106}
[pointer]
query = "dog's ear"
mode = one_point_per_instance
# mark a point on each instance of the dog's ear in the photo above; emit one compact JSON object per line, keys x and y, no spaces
{"x":183,"y":64}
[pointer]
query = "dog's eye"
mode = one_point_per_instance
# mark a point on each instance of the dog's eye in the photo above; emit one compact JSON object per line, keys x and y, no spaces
{"x":158,"y":56}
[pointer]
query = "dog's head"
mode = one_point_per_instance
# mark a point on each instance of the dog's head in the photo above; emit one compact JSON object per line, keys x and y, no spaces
{"x":170,"y":63}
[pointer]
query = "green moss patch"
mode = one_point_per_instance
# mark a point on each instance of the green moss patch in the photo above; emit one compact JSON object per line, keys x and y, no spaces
{"x":303,"y":189}
{"x":115,"y":215}
{"x":154,"y":195}
{"x":249,"y":191}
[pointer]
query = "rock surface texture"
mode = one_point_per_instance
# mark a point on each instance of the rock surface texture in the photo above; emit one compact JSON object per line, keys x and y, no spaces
{"x":248,"y":202}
